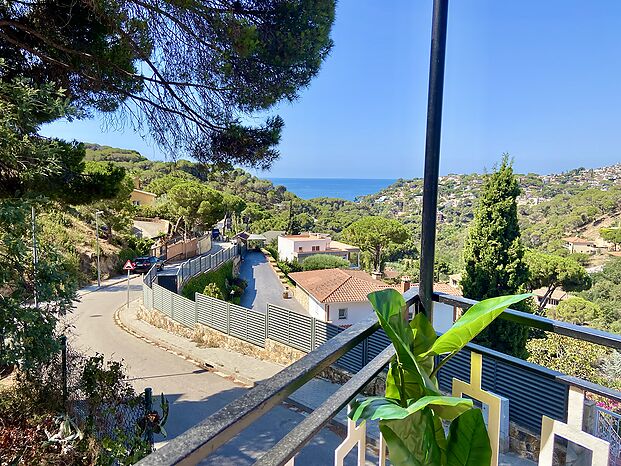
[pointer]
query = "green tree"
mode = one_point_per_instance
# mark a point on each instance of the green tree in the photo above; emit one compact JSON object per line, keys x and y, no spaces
{"x":33,"y":298}
{"x":163,"y":184}
{"x":195,"y":203}
{"x":324,"y":261}
{"x":551,"y":271}
{"x":606,"y":293}
{"x":575,"y":310}
{"x":233,"y":206}
{"x":611,"y":234}
{"x":494,"y":256}
{"x":30,"y":163}
{"x":187,"y":71}
{"x":374,"y":235}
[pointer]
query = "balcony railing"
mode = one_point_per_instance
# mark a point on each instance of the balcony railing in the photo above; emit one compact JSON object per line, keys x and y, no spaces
{"x":563,"y":419}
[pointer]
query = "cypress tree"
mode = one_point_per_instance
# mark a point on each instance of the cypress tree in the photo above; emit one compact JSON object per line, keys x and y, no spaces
{"x":494,"y":257}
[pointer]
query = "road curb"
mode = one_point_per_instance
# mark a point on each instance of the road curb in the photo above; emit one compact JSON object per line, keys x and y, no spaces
{"x":212,"y":367}
{"x":120,"y":280}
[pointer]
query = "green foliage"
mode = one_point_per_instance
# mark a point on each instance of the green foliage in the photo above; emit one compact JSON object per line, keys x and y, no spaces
{"x":611,"y":234}
{"x":27,"y":331}
{"x":494,"y":256}
{"x":288,"y":267}
{"x":606,"y":293}
{"x":193,"y":92}
{"x":567,"y":355}
{"x":576,"y":310}
{"x":212,"y":290}
{"x":324,"y":261}
{"x":44,"y":166}
{"x":198,"y":205}
{"x":222,"y":277}
{"x":551,"y":271}
{"x":374,"y":235}
{"x":413,"y":409}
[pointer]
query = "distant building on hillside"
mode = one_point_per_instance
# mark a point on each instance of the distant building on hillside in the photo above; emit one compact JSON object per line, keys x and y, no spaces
{"x":585,"y":246}
{"x":139,"y":197}
{"x":444,"y":315}
{"x":338,"y":296}
{"x":299,"y":247}
{"x":557,"y":296}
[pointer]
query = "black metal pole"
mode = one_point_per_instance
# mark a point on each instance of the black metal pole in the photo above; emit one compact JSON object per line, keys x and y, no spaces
{"x":63,"y":362}
{"x":432,"y":152}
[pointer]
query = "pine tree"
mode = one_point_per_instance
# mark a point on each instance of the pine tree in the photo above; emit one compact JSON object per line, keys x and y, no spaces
{"x":494,"y":257}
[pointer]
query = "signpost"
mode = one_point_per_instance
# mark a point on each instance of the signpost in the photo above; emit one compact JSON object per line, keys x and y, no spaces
{"x":129,"y":267}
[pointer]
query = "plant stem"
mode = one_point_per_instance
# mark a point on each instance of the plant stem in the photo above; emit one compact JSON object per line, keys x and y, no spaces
{"x":442,"y":363}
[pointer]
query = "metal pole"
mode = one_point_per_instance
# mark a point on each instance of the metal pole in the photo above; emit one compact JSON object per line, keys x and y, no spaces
{"x":432,"y":152}
{"x":97,"y":236}
{"x":128,"y":271}
{"x":35,"y":257}
{"x":63,"y":343}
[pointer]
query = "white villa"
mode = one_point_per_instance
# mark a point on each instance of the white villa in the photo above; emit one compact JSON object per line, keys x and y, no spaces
{"x":299,"y":247}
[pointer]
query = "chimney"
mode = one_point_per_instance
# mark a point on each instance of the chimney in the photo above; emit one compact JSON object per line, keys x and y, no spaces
{"x":405,"y":283}
{"x":376,"y":275}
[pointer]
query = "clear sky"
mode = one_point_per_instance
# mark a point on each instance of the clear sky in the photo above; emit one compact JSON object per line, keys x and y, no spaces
{"x":538,"y":79}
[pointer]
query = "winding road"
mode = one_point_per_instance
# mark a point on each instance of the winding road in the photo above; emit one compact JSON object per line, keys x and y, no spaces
{"x":193,"y":393}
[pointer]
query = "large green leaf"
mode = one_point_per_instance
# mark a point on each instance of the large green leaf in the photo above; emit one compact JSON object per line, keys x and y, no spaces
{"x":411,"y":384}
{"x":472,"y":323}
{"x":386,"y":408}
{"x":468,"y":442}
{"x":388,"y":305}
{"x":424,"y":337}
{"x":412,"y":441}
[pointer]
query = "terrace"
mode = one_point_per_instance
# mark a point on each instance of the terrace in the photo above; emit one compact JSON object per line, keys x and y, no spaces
{"x":543,"y":403}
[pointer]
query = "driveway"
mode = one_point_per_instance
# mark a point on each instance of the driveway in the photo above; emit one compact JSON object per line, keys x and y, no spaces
{"x":264,"y":286}
{"x":193,"y":393}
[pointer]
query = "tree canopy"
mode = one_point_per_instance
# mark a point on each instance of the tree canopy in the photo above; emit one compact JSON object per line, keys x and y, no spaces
{"x":612,"y":234}
{"x":31,"y":164}
{"x":186,"y":71}
{"x":198,"y":205}
{"x":551,"y":271}
{"x":324,"y":261}
{"x":494,"y":256}
{"x":374,"y":235}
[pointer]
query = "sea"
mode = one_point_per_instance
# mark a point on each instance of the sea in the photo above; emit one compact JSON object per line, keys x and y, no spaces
{"x":343,"y":188}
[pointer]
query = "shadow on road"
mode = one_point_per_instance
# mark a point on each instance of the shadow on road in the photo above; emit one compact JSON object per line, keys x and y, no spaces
{"x":146,"y":377}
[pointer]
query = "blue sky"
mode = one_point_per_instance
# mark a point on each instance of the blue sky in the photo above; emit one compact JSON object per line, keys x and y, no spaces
{"x":538,"y":79}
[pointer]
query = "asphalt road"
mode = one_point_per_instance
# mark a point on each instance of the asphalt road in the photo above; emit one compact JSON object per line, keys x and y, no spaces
{"x":264,"y":285}
{"x":193,"y":393}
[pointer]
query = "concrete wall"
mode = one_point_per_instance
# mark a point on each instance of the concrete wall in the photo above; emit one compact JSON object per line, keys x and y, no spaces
{"x":288,"y":248}
{"x":182,"y":250}
{"x":316,"y":309}
{"x":442,"y":316}
{"x":203,"y":244}
{"x":356,"y":312}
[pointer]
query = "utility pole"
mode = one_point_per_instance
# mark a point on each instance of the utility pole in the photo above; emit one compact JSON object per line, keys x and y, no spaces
{"x":97,"y":214}
{"x":432,"y":153}
{"x":35,"y":258}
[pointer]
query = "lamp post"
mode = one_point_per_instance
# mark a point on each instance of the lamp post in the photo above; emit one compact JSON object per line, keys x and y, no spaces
{"x":97,"y":214}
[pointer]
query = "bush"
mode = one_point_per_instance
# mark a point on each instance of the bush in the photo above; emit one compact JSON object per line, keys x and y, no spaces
{"x":289,"y":267}
{"x":125,"y":254}
{"x":222,"y":278}
{"x":213,"y":291}
{"x":324,"y":261}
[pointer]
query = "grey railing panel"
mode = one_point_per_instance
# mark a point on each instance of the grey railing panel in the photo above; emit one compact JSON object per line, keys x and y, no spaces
{"x":238,"y":321}
{"x":219,"y":315}
{"x":158,"y":297}
{"x":376,"y":343}
{"x":300,"y":333}
{"x":204,"y":438}
{"x":184,"y":310}
{"x":256,"y":328}
{"x":354,"y":360}
{"x":204,"y":310}
{"x":278,"y":324}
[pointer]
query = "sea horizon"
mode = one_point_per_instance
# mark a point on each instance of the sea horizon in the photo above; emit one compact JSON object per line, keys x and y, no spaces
{"x":341,"y":188}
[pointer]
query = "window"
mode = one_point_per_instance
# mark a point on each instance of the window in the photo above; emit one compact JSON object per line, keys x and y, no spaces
{"x":315,"y":248}
{"x":299,"y":248}
{"x":136,"y":203}
{"x":343,"y":314}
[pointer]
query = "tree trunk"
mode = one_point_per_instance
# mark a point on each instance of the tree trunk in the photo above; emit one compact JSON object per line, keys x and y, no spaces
{"x":546,"y":298}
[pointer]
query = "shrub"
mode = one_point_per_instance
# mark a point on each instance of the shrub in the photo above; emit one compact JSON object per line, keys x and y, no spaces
{"x":289,"y":267}
{"x":221,"y":277}
{"x":324,"y":261}
{"x":212,"y":290}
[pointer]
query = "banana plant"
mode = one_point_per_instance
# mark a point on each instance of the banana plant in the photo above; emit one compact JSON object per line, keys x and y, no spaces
{"x":412,"y":412}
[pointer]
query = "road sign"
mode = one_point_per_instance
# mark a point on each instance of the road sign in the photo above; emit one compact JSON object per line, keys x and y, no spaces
{"x":128,"y":265}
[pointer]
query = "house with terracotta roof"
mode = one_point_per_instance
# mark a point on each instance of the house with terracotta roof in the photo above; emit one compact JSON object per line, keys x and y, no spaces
{"x":299,"y":247}
{"x":445,"y":315}
{"x":338,"y":296}
{"x":580,"y":245}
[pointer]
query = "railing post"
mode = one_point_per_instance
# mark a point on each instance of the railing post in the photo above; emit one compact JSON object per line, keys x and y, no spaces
{"x":432,"y":152}
{"x":63,"y":362}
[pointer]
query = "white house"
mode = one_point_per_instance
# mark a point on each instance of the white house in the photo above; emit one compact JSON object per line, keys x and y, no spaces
{"x":299,"y":247}
{"x":338,"y":296}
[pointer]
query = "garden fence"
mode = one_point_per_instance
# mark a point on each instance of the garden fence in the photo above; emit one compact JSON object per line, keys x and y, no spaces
{"x":533,"y":390}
